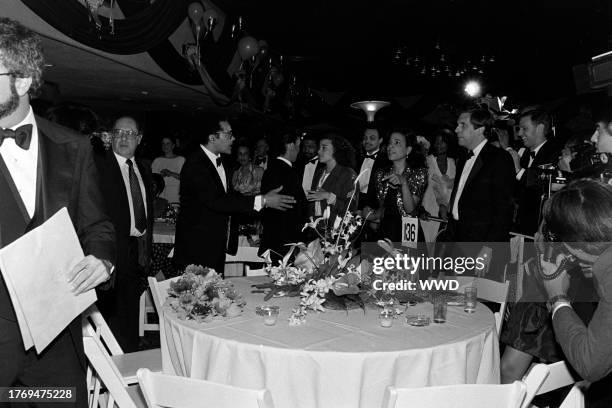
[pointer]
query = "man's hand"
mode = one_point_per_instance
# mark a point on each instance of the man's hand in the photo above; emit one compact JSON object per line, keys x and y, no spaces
{"x":318,"y":195}
{"x":88,"y":274}
{"x":278,"y":201}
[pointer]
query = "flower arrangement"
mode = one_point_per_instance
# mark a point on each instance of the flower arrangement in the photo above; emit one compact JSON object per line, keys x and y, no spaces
{"x":200,"y":294}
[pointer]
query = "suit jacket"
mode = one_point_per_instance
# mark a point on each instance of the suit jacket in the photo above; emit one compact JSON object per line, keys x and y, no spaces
{"x":485,"y":205}
{"x":282,"y":227}
{"x":203,"y":220}
{"x":381,"y":162}
{"x":66,"y":177}
{"x":118,"y":208}
{"x":529,"y":189}
{"x":341,"y":182}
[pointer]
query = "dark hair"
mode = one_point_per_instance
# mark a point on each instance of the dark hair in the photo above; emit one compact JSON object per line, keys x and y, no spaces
{"x":170,"y":138}
{"x":416,"y":158}
{"x":310,"y":136}
{"x":209,"y":125}
{"x":21,"y":52}
{"x":581,"y":214}
{"x":344,"y":153}
{"x":158,"y":180}
{"x":375,"y":126}
{"x":539,"y":117}
{"x":480,"y":117}
{"x":604,"y":113}
{"x":279,"y":142}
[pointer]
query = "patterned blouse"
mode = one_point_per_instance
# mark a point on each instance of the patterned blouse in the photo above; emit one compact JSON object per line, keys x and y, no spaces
{"x":417,"y":183}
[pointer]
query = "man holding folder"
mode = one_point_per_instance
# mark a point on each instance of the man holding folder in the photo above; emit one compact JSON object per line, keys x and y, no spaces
{"x":44,"y":167}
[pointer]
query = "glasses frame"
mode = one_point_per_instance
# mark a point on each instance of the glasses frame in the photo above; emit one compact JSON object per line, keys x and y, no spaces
{"x":9,"y":74}
{"x":124,"y":134}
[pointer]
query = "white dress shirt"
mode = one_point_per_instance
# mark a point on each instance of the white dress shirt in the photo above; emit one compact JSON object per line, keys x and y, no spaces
{"x":467,"y":168}
{"x":22,"y":164}
{"x":221,"y":172}
{"x":367,"y":165}
{"x":125,"y":173}
{"x":309,"y":171}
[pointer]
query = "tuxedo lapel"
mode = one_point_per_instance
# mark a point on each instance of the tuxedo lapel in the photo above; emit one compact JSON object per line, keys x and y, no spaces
{"x":478,"y":163}
{"x":11,"y":184}
{"x":212,"y":170}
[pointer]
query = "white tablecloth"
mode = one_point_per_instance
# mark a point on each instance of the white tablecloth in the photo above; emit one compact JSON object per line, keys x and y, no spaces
{"x":337,"y":359}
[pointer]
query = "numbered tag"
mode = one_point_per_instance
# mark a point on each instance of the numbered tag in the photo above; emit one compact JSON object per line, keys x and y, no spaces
{"x":410,"y":231}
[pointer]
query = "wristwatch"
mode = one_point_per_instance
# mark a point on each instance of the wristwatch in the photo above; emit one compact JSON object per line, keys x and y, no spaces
{"x":558,"y":299}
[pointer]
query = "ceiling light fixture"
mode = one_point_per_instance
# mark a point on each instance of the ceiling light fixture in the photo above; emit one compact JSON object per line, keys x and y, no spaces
{"x":370,"y":107}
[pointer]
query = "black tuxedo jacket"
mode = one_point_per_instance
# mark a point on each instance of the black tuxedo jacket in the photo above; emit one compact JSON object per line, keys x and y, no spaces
{"x":381,"y":162}
{"x":118,"y":208}
{"x":66,"y":177}
{"x":204,"y":218}
{"x":485,"y":206}
{"x":282,"y":227}
{"x":529,"y":189}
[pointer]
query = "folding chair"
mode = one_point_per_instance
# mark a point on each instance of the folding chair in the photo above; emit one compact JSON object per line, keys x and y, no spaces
{"x":168,"y":391}
{"x":559,"y":376}
{"x":146,"y":307}
{"x":255,"y":272}
{"x":159,"y":290}
{"x":491,"y":291}
{"x":456,"y":396}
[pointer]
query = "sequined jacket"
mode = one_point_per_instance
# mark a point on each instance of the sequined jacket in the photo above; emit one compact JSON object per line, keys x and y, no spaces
{"x":417,"y":183}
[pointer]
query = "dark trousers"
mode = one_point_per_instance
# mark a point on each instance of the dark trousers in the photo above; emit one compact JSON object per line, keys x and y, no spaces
{"x":120,"y":305}
{"x":59,"y":365}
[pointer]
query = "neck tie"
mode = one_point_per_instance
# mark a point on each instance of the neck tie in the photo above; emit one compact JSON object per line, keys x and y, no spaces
{"x":22,"y":136}
{"x":140,"y":217}
{"x":218,"y":162}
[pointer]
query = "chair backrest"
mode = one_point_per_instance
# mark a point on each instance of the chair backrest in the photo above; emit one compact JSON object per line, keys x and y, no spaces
{"x":255,"y":272}
{"x":560,"y":376}
{"x":456,"y":396}
{"x":169,"y":391}
{"x":105,"y":370}
{"x":534,"y":380}
{"x":574,"y":399}
{"x":489,"y":290}
{"x":101,"y":330}
{"x":159,"y":291}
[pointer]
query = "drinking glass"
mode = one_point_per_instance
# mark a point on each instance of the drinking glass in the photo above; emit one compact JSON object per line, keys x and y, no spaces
{"x":471,"y":296}
{"x":439,"y":309}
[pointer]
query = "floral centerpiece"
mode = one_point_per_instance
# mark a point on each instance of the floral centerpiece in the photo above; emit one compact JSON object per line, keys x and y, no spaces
{"x":200,"y":294}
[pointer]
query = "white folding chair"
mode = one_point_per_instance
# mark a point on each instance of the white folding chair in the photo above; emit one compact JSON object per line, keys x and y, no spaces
{"x":146,"y":307}
{"x":127,"y":363}
{"x":456,"y":396}
{"x":106,"y":385}
{"x":559,"y":376}
{"x":490,"y":291}
{"x":168,"y":391}
{"x":255,"y":272}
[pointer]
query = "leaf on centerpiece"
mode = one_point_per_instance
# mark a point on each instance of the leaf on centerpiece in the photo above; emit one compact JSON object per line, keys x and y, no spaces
{"x":346,"y":285}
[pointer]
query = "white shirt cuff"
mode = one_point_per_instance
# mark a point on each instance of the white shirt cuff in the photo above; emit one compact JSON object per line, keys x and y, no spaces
{"x":258,"y":204}
{"x":558,"y":306}
{"x":520,"y":174}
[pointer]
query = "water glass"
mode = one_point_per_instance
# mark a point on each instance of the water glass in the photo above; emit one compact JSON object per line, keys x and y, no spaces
{"x":439,"y":309}
{"x":269,"y":314}
{"x":471,"y":296}
{"x":386,"y":317}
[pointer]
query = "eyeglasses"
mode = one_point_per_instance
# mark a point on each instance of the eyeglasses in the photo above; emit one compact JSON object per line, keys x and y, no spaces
{"x":228,"y":134}
{"x":8,"y":73}
{"x":125,"y":133}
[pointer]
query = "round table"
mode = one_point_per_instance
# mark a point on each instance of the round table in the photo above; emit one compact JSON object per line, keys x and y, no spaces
{"x":337,"y":358}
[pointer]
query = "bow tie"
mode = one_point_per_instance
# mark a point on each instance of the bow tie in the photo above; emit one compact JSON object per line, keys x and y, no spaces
{"x":312,"y":161}
{"x":219,"y":162}
{"x":532,"y":154}
{"x":470,"y":154}
{"x":22,"y":136}
{"x":371,"y":156}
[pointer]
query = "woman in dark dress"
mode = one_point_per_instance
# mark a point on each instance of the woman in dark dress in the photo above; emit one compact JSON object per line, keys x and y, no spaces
{"x":400,"y":187}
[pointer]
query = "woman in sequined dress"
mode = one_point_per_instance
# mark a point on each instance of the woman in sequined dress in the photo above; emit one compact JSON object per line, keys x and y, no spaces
{"x":400,"y":187}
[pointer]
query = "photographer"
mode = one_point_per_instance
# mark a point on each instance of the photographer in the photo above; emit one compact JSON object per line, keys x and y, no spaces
{"x":580,"y":217}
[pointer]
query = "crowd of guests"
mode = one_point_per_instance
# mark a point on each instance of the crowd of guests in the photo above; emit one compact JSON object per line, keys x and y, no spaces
{"x":483,"y":179}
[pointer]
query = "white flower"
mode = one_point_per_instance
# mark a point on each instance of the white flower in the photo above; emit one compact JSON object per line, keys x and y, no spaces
{"x":326,"y":213}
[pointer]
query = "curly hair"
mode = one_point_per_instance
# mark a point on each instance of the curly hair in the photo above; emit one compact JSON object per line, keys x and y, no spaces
{"x":344,"y":153}
{"x":21,"y":52}
{"x":416,"y":158}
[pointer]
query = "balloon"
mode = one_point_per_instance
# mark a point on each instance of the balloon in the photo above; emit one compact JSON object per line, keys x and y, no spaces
{"x":247,"y":47}
{"x":208,"y":14}
{"x":195,"y":12}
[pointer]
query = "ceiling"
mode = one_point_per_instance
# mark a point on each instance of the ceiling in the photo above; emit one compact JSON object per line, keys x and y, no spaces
{"x":350,"y":43}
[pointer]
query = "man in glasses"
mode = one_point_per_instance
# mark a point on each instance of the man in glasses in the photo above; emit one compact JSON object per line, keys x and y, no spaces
{"x":126,"y":183}
{"x":207,"y":201}
{"x":44,"y":167}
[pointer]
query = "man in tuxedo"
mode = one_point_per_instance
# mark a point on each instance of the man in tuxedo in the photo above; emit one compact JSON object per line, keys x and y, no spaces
{"x":44,"y":167}
{"x":534,"y":129}
{"x":283,"y":227}
{"x":310,"y":165}
{"x":127,"y":186}
{"x":481,"y":201}
{"x":373,"y":160}
{"x":207,"y":202}
{"x":260,"y":155}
